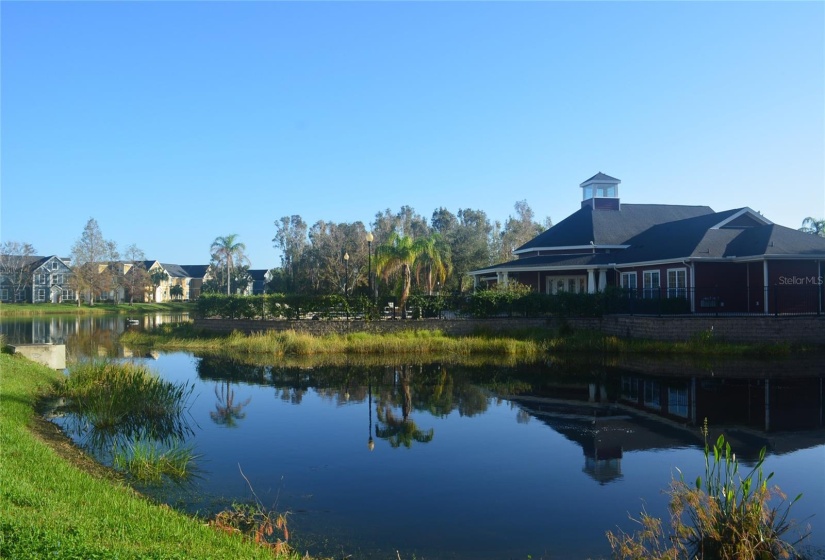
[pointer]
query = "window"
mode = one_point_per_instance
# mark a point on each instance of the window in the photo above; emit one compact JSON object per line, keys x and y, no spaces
{"x":676,"y":282}
{"x":41,"y":295}
{"x":4,"y":294}
{"x":68,"y":294}
{"x":629,"y":281}
{"x":651,"y":283}
{"x":630,"y":389}
{"x":41,"y":278}
{"x":54,"y":265}
{"x":652,"y":395}
{"x":20,"y":296}
{"x":677,"y":401}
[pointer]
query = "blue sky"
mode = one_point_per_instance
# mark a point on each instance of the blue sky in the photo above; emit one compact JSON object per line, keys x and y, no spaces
{"x":172,"y":123}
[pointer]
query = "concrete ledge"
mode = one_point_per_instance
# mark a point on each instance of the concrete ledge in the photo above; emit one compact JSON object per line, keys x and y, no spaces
{"x":49,"y":355}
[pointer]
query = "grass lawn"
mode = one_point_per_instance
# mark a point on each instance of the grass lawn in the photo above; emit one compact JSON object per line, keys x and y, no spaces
{"x":71,"y":308}
{"x":55,"y":502}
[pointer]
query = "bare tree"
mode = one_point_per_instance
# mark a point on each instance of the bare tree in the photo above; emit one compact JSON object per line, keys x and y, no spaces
{"x":15,"y":258}
{"x":91,"y":257}
{"x":136,"y":277}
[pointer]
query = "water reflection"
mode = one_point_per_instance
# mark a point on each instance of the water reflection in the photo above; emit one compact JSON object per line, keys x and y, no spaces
{"x":228,"y":412}
{"x":499,"y":460}
{"x":84,"y":335}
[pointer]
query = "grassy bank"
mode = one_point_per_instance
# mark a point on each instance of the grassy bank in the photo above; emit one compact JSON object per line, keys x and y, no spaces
{"x":57,"y":503}
{"x":528,"y":344}
{"x":69,"y":308}
{"x":290,"y":343}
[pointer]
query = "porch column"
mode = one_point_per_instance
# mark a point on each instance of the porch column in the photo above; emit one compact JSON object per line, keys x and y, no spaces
{"x":475,"y":282}
{"x":502,"y":278}
{"x":602,"y":279}
{"x":767,"y":286}
{"x":591,"y":281}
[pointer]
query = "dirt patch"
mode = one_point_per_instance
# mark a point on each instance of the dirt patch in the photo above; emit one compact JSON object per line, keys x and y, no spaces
{"x":51,"y":435}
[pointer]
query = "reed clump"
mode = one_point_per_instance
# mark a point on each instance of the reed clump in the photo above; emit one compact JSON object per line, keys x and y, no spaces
{"x":111,"y":394}
{"x":150,"y":461}
{"x":723,"y":516}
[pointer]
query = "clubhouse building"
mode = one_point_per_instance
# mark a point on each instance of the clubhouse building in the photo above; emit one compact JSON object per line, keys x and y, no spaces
{"x":734,"y":261}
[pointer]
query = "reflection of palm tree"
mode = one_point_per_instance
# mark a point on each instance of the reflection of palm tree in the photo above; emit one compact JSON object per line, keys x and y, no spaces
{"x":227,"y":412}
{"x":400,"y":431}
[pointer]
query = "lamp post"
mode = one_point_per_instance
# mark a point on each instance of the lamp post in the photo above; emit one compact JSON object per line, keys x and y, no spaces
{"x":370,"y":237}
{"x":346,"y":274}
{"x":346,"y":282}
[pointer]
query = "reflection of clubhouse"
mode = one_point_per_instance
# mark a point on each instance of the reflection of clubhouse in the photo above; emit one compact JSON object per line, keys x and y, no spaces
{"x":633,"y":412}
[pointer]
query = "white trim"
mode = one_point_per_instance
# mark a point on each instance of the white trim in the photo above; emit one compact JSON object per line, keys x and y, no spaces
{"x":648,"y":293}
{"x":634,"y":274}
{"x":641,"y":264}
{"x":742,"y":212}
{"x":677,"y":289}
{"x":589,"y":248}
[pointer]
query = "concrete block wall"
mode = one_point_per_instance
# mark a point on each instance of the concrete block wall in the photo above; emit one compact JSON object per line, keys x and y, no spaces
{"x":797,"y":329}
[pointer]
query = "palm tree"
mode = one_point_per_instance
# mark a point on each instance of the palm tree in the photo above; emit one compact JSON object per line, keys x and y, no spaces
{"x":230,"y":250}
{"x":434,"y":261}
{"x":814,"y":226}
{"x":398,"y":256}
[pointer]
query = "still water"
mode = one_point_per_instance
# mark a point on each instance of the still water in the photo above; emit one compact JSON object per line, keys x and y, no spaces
{"x":481,"y":460}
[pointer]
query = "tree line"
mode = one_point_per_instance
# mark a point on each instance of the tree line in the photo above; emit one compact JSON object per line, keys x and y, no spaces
{"x":401,"y":252}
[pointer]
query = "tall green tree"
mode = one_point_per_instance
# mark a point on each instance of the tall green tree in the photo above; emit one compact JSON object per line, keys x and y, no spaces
{"x":434,"y":262}
{"x":468,"y":236}
{"x":291,"y":239}
{"x":520,"y":229}
{"x":396,"y":259}
{"x":227,"y":252}
{"x":91,"y":256}
{"x":814,"y":226}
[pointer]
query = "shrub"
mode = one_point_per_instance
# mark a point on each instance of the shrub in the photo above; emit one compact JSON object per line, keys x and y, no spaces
{"x":724,"y":517}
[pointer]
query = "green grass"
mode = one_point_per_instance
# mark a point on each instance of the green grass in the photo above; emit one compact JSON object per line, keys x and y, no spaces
{"x":51,"y":508}
{"x":71,"y":308}
{"x":409,"y":343}
{"x":525,"y":344}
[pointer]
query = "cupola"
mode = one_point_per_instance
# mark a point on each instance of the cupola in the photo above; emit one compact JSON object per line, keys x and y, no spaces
{"x":601,"y":192}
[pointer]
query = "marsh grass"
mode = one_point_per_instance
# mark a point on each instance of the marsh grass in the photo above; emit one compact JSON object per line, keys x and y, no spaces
{"x":723,"y":516}
{"x":113,"y":395}
{"x":411,"y":342}
{"x":150,"y":461}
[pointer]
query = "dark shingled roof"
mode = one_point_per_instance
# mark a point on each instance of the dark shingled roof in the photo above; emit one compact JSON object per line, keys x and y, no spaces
{"x":195,"y":270}
{"x":601,"y":177}
{"x":611,"y":227}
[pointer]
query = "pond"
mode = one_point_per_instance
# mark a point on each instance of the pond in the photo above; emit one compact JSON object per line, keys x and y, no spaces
{"x":480,"y":460}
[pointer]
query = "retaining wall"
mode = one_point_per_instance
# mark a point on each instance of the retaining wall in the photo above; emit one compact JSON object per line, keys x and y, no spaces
{"x":798,"y":329}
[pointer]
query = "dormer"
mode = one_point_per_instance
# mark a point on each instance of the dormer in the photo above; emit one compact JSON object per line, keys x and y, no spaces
{"x":601,"y":192}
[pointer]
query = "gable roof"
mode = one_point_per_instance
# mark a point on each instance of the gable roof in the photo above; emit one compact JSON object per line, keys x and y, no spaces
{"x":196,"y":270}
{"x":601,"y":177}
{"x":738,"y":233}
{"x":609,"y":227}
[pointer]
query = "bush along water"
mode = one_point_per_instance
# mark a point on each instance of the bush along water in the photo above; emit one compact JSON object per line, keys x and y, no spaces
{"x":722,"y":516}
{"x":126,"y":413}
